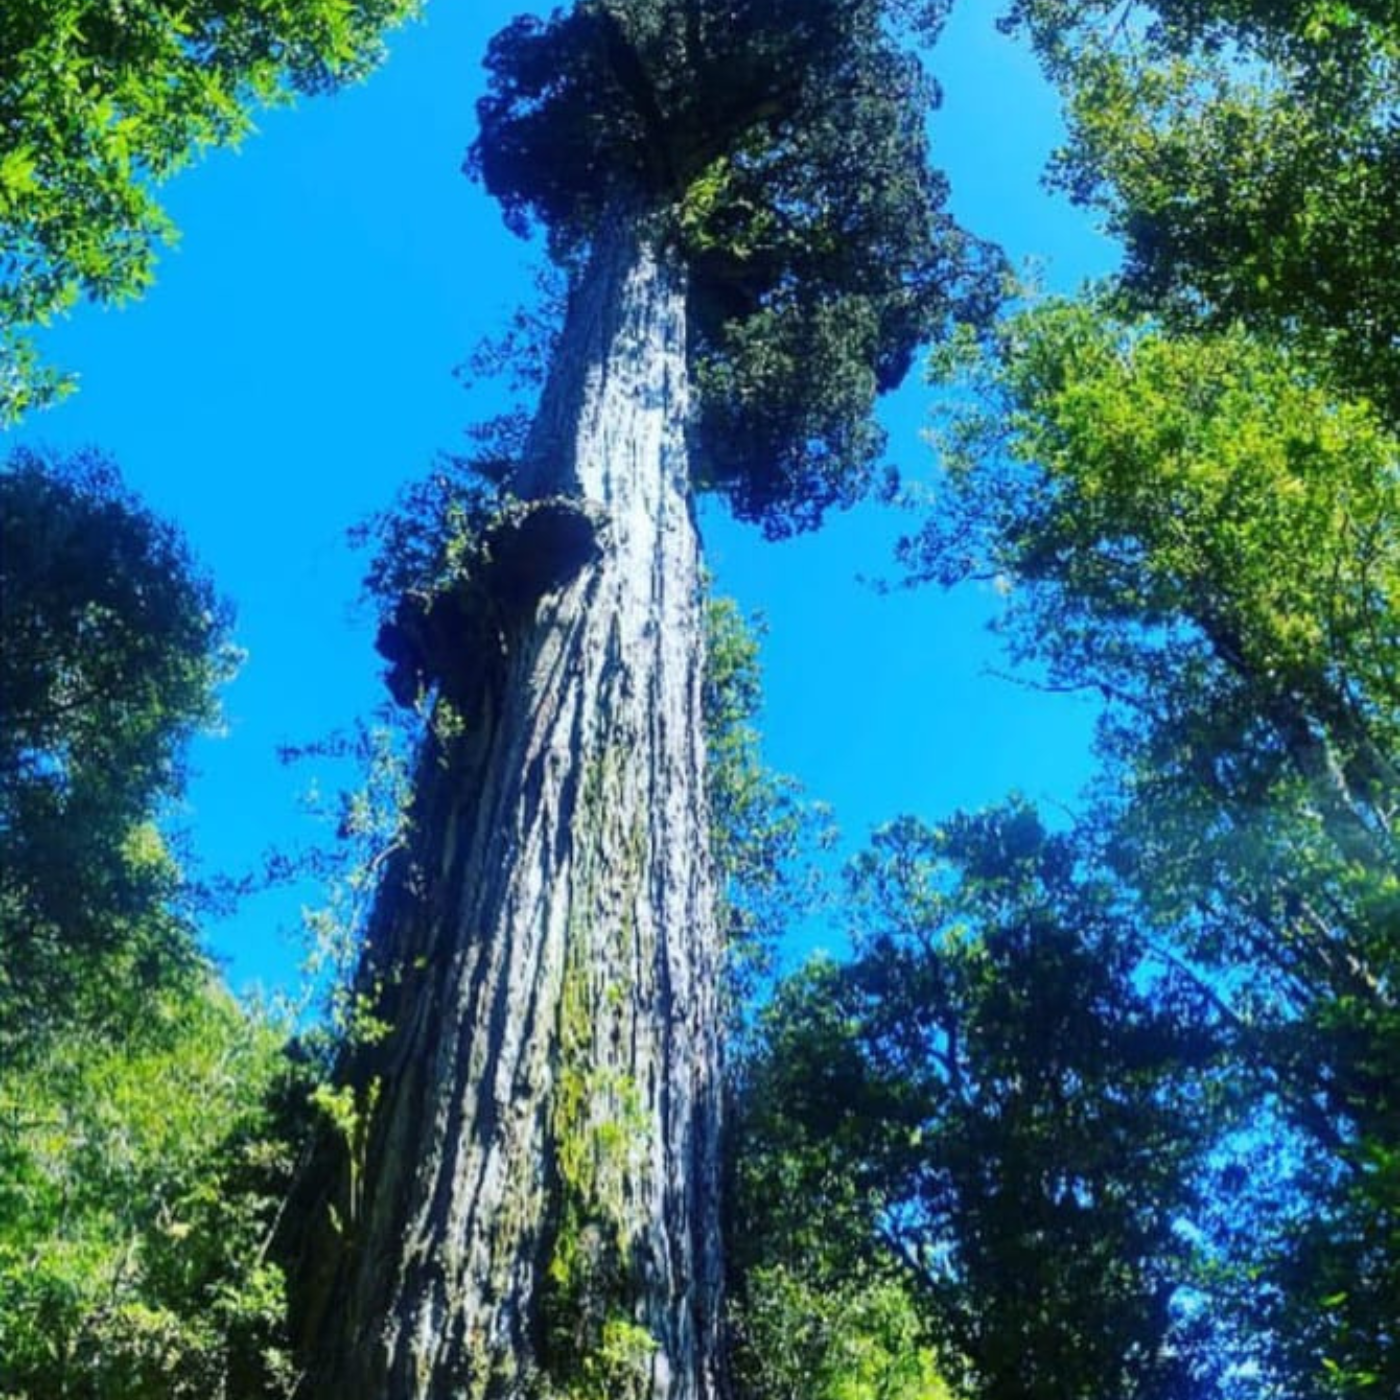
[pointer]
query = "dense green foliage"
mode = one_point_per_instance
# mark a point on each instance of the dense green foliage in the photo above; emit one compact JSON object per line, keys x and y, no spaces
{"x":142,"y":1161}
{"x":1218,"y":535}
{"x":1189,"y":489}
{"x":1000,"y":1100}
{"x":99,"y":101}
{"x":114,"y":644}
{"x":836,"y":1333}
{"x":779,"y":149}
{"x":1185,"y":486}
{"x":1195,"y":525}
{"x":139,"y":1181}
{"x":1247,"y":153}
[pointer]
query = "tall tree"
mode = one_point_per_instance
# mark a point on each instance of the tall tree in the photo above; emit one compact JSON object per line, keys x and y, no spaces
{"x":1187,"y":488}
{"x":526,"y":1198}
{"x":100,"y":101}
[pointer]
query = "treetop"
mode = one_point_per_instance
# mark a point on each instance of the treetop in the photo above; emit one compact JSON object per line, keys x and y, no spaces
{"x":781,"y":148}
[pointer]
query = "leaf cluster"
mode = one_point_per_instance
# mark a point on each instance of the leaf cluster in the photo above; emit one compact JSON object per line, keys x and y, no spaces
{"x":139,"y":1183}
{"x":851,"y":1336}
{"x":100,"y":100}
{"x":1197,"y":527}
{"x":1203,"y":486}
{"x":1246,"y":153}
{"x":148,"y":1122}
{"x":421,"y":541}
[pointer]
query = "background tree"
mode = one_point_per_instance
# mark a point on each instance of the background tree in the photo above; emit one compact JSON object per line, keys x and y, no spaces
{"x":525,"y":1194}
{"x":99,"y":102}
{"x":1000,"y":1102}
{"x":139,"y":1181}
{"x":1189,"y":485}
{"x":114,"y":645}
{"x":143,"y":1155}
{"x":1198,"y":526}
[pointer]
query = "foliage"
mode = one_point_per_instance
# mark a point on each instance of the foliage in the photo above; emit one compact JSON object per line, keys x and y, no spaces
{"x":139,"y":1183}
{"x":419,"y":543}
{"x":1194,"y":507}
{"x":1002,"y":1092}
{"x":114,"y":643}
{"x":1247,"y":153}
{"x":100,"y":100}
{"x":1203,"y":490}
{"x":809,"y":1320}
{"x":779,"y":150}
{"x":848,"y":1338}
{"x":817,"y":1309}
{"x":142,"y":1151}
{"x":763,"y":834}
{"x":1205,"y":531}
{"x":1197,"y":527}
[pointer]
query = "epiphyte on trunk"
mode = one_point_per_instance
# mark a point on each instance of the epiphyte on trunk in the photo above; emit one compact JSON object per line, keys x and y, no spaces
{"x":452,"y":638}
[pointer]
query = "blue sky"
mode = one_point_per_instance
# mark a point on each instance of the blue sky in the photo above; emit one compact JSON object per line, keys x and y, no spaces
{"x":293,"y":365}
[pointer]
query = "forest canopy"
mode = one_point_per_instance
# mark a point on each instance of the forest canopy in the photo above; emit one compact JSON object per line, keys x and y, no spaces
{"x":1095,"y":1100}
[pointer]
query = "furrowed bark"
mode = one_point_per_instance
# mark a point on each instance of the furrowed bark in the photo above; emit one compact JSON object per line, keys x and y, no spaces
{"x":527,"y":1201}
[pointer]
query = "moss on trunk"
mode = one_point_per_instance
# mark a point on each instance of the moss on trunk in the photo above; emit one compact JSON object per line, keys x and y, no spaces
{"x":538,"y":1196}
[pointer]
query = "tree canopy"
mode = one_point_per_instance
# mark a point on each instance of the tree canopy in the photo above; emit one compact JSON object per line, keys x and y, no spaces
{"x":1196,"y":524}
{"x":1183,"y":484}
{"x":114,"y":645}
{"x":780,"y":150}
{"x":99,"y":102}
{"x":1246,"y":153}
{"x":1000,"y":1094}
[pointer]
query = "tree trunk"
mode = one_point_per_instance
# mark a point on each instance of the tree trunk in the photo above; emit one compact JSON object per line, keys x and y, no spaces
{"x":527,"y":1201}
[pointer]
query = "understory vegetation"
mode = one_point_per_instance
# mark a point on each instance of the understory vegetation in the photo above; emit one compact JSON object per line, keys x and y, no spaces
{"x":1098,"y":1107}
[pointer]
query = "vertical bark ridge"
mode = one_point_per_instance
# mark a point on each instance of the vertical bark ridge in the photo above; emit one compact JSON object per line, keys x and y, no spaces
{"x":539,"y":1200}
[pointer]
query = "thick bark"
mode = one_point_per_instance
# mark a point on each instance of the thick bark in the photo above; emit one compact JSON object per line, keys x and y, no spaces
{"x":527,"y":1203}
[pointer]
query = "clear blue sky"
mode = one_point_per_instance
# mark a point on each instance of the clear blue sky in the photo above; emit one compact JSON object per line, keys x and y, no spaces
{"x":292,"y":366}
